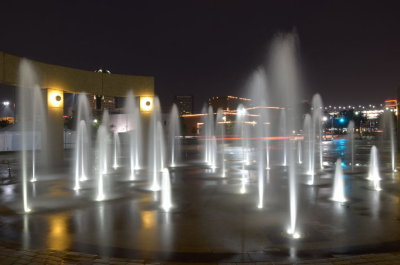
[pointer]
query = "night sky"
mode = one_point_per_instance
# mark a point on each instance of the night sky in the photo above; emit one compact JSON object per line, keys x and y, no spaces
{"x":350,"y":50}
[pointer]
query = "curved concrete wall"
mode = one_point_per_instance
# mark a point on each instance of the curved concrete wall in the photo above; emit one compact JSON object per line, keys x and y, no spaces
{"x":75,"y":80}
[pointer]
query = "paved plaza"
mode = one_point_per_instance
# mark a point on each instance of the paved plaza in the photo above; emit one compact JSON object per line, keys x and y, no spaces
{"x":213,"y":219}
{"x":10,"y":254}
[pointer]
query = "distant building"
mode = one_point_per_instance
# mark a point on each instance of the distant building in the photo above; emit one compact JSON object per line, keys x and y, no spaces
{"x":98,"y":103}
{"x":184,"y":104}
{"x":391,"y":104}
{"x":228,"y":102}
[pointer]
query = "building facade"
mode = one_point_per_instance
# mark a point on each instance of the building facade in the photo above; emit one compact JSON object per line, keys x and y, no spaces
{"x":184,"y":104}
{"x":55,"y":81}
{"x":228,"y":102}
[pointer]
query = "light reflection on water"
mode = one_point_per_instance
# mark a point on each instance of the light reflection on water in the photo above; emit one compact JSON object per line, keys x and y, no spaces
{"x":59,"y":236}
{"x":167,"y":232}
{"x":148,"y":219}
{"x":147,"y":237}
{"x":136,"y":222}
{"x":340,"y":147}
{"x":25,"y":232}
{"x":103,"y":229}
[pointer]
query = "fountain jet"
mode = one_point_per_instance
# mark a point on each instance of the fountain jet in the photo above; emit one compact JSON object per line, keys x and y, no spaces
{"x":82,"y":140}
{"x":389,"y":133}
{"x":156,"y":148}
{"x":174,"y":131}
{"x":317,"y":128}
{"x":134,"y":127}
{"x":81,"y":154}
{"x":166,"y":201}
{"x":105,"y":139}
{"x":283,"y":123}
{"x":220,"y":128}
{"x":350,"y":133}
{"x":32,"y":124}
{"x":242,"y":130}
{"x":286,"y":83}
{"x":338,"y":184}
{"x":101,"y":161}
{"x":299,"y":153}
{"x":309,"y":149}
{"x":116,"y":150}
{"x":210,"y":139}
{"x":39,"y":129}
{"x":373,"y":171}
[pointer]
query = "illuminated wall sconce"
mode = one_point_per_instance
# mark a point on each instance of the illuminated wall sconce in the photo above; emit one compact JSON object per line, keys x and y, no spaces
{"x":146,"y":104}
{"x":55,"y":98}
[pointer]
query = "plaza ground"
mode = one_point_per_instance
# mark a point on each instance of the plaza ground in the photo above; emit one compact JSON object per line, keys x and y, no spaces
{"x":212,"y":221}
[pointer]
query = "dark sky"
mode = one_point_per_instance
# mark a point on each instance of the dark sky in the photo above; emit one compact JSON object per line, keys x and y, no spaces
{"x":350,"y":50}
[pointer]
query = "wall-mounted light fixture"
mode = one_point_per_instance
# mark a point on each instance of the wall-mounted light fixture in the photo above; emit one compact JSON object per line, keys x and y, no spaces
{"x":146,"y":104}
{"x":55,"y":98}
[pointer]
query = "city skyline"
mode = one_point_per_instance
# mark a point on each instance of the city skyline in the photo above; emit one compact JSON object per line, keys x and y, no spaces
{"x":348,"y":53}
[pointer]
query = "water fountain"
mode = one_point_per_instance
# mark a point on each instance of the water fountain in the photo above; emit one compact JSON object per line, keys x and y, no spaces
{"x":174,"y":132}
{"x":211,"y":146}
{"x":248,"y":151}
{"x":160,"y":132}
{"x":156,"y":153}
{"x":244,"y":148}
{"x":166,"y":201}
{"x":373,"y":170}
{"x":81,"y":154}
{"x":350,"y":134}
{"x":82,"y":140}
{"x":389,"y":133}
{"x":338,"y":183}
{"x":32,"y":125}
{"x":317,"y":107}
{"x":261,"y":131}
{"x":203,"y":132}
{"x":116,"y":150}
{"x":393,"y":144}
{"x":299,"y":152}
{"x":208,"y":121}
{"x":101,"y":161}
{"x":308,"y":148}
{"x":284,"y":133}
{"x":39,"y":130}
{"x":260,"y":163}
{"x":220,"y":131}
{"x":312,"y":129}
{"x":286,"y":83}
{"x":267,"y":154}
{"x":134,"y":128}
{"x":105,"y":141}
{"x":207,"y":134}
{"x":258,"y":87}
{"x":24,"y":86}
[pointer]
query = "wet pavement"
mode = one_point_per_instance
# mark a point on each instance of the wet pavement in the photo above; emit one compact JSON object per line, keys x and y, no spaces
{"x":11,"y":255}
{"x":211,"y":221}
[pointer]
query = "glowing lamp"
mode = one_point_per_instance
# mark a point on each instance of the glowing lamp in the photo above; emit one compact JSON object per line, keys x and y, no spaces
{"x":146,"y":104}
{"x":55,"y":98}
{"x":241,"y":111}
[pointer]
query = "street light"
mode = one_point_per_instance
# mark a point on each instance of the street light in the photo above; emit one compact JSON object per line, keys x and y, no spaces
{"x":6,"y":103}
{"x":241,"y":111}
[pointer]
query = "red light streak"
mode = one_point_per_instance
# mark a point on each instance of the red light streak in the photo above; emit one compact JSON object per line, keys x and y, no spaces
{"x":273,"y":138}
